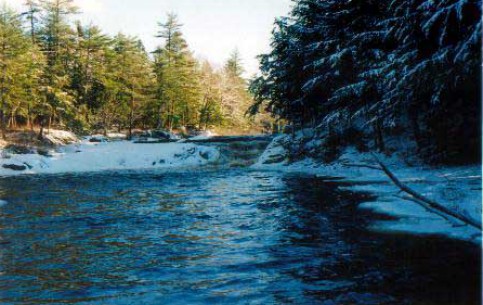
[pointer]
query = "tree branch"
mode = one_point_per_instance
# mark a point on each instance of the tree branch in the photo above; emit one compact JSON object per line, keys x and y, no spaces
{"x":429,"y":209}
{"x":434,"y":205}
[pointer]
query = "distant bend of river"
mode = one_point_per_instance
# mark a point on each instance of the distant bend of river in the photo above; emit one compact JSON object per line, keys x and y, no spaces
{"x":215,"y":237}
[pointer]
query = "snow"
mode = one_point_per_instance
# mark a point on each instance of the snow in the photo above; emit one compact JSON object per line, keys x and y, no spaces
{"x":121,"y":155}
{"x":274,"y":153}
{"x":458,"y":188}
{"x":108,"y":137}
{"x":205,"y":135}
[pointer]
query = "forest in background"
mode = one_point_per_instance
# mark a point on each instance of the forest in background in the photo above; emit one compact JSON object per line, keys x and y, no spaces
{"x":367,"y":72}
{"x":55,"y":72}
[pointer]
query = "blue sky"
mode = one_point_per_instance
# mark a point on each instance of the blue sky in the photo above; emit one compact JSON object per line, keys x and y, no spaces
{"x":213,"y":28}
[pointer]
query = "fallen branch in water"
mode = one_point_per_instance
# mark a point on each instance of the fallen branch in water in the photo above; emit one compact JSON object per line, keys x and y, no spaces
{"x":418,"y":197}
{"x":430,"y":209}
{"x":426,"y":203}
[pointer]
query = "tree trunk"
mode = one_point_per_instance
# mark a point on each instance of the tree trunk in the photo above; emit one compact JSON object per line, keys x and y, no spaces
{"x":29,"y":119}
{"x":382,"y":146}
{"x":158,"y":118}
{"x":131,"y":118}
{"x":104,"y":124}
{"x":416,"y":131}
{"x":3,"y":124}
{"x":378,"y":136}
{"x":50,"y":122}
{"x":40,"y":137}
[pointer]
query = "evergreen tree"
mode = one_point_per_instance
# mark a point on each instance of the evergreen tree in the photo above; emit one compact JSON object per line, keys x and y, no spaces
{"x":133,"y":77}
{"x":20,"y":62}
{"x":33,"y":10}
{"x":235,"y":97}
{"x":234,"y":65}
{"x":381,"y":68}
{"x":57,"y":43}
{"x":79,"y":78}
{"x":177,"y":76}
{"x":89,"y":72}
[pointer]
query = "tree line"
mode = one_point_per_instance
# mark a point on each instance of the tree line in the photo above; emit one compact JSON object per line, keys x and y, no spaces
{"x":57,"y":72}
{"x":379,"y":70}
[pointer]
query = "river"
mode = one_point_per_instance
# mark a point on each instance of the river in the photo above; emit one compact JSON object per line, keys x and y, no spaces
{"x":231,"y":236}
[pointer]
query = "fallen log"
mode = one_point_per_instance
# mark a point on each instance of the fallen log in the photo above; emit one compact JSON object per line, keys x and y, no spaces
{"x":434,"y":205}
{"x":430,"y":209}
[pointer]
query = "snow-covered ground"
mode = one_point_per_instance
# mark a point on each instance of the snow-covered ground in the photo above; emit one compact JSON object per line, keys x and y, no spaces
{"x":458,"y":188}
{"x":89,"y":157}
{"x":204,"y":135}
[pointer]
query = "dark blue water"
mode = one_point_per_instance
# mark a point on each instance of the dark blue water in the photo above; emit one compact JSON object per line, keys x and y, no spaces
{"x":214,"y":237}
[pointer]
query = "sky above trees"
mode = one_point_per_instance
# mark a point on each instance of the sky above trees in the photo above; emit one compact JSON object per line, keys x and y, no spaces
{"x":212,"y":28}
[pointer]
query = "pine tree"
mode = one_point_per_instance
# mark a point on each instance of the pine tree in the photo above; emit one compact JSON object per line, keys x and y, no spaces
{"x":235,"y":97}
{"x":133,"y":77}
{"x":33,"y":10}
{"x":177,"y":76}
{"x":234,"y":65}
{"x":89,"y":72}
{"x":56,"y":40}
{"x":20,"y":62}
{"x":381,"y":68}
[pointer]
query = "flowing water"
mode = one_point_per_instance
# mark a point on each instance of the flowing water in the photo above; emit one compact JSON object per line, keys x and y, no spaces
{"x":215,"y":237}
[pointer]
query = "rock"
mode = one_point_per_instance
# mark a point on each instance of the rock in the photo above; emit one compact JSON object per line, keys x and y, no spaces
{"x":273,"y":159}
{"x":205,"y":155}
{"x":151,"y":141}
{"x":97,"y":140}
{"x":116,"y":136}
{"x":161,"y":135}
{"x":15,"y":167}
{"x":44,"y":152}
{"x":59,"y":137}
{"x":19,"y":149}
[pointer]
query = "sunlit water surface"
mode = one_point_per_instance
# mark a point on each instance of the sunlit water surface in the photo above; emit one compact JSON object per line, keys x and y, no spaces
{"x":214,"y":237}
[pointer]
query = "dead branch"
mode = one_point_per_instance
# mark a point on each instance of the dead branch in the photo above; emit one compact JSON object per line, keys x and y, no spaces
{"x":429,"y":209}
{"x":434,"y":205}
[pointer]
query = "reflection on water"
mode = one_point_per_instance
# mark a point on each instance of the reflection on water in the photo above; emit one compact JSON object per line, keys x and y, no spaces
{"x":212,"y":237}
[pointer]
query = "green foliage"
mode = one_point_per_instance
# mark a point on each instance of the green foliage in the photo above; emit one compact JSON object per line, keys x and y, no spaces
{"x":20,"y":67}
{"x":59,"y":73}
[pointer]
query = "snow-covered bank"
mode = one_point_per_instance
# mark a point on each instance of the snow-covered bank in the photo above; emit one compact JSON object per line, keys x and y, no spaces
{"x":458,"y":188}
{"x":89,"y":157}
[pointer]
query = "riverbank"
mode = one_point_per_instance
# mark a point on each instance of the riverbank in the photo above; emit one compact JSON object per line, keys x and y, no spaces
{"x":456,"y":187}
{"x":69,"y":154}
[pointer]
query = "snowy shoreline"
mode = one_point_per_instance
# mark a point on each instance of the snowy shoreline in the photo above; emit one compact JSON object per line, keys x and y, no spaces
{"x":458,"y":188}
{"x":120,"y":155}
